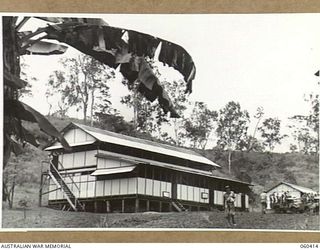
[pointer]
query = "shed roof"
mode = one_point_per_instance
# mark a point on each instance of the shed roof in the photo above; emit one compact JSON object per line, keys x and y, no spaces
{"x":296,"y":187}
{"x":133,"y":142}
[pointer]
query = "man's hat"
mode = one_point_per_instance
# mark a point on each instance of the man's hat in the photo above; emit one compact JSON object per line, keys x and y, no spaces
{"x":227,"y":187}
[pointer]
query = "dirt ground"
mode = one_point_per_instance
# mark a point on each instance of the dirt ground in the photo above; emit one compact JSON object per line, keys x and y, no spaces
{"x":50,"y":218}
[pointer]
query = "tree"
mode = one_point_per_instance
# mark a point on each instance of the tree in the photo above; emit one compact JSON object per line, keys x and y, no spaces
{"x":93,"y":37}
{"x":113,"y":121}
{"x":270,"y":132}
{"x":79,"y":82}
{"x":26,"y":91}
{"x":232,"y":128}
{"x":252,"y":141}
{"x":200,"y":125}
{"x":305,"y":128}
{"x":148,"y":116}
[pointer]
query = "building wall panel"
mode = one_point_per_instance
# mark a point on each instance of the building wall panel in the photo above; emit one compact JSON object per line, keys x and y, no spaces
{"x":99,"y":188}
{"x":115,"y":187}
{"x":205,"y":191}
{"x":218,"y":197}
{"x":149,"y":190}
{"x":59,"y":195}
{"x":70,"y":136}
{"x":124,"y":186}
{"x":77,"y":136}
{"x":247,"y":201}
{"x":111,"y":163}
{"x":79,"y":159}
{"x":238,"y":200}
{"x":190,"y":193}
{"x":76,"y":178}
{"x":165,"y":188}
{"x":91,"y":189}
{"x":81,"y":136}
{"x":141,"y":186}
{"x":132,"y":185}
{"x":156,"y":188}
{"x":196,"y":195}
{"x":67,"y":161}
{"x":107,"y":187}
{"x":84,"y":178}
{"x":83,"y":189}
{"x":91,"y":159}
{"x":52,"y":195}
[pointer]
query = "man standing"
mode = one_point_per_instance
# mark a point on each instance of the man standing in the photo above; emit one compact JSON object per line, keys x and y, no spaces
{"x":229,"y":199}
{"x":263,"y":200}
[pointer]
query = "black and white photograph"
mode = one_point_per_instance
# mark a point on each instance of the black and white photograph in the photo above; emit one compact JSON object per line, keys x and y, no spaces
{"x":161,"y":121}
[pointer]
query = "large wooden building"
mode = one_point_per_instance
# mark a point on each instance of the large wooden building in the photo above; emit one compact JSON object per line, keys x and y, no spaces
{"x":107,"y":172}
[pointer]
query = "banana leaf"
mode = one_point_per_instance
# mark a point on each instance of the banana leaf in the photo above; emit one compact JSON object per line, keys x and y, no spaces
{"x":13,"y":81}
{"x":45,"y":48}
{"x":106,"y":44}
{"x":22,"y":111}
{"x":97,"y":21}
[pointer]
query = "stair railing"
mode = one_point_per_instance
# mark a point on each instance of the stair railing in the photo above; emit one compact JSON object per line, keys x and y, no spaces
{"x":74,"y":206}
{"x":70,"y":178}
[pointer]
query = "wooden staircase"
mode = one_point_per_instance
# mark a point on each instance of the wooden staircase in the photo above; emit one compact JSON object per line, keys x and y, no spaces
{"x":56,"y":177}
{"x":178,"y":206}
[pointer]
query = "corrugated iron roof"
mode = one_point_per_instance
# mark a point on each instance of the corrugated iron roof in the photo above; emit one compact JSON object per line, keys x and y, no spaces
{"x":300,"y":188}
{"x":296,"y":187}
{"x":129,"y":141}
{"x":137,"y":160}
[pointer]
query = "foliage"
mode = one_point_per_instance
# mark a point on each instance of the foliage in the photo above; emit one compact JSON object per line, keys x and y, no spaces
{"x":305,"y":128}
{"x":252,"y":141}
{"x":200,"y":125}
{"x":232,"y":128}
{"x":303,"y":136}
{"x":26,"y":91}
{"x":78,"y":85}
{"x":113,"y":122}
{"x":149,"y":117}
{"x":270,"y":132}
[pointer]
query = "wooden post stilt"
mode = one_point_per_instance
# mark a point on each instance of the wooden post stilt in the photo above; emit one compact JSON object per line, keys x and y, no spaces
{"x":40,"y":191}
{"x":148,"y":205}
{"x":122,"y":206}
{"x":95,"y":206}
{"x":160,"y":206}
{"x":137,"y":206}
{"x":108,"y":206}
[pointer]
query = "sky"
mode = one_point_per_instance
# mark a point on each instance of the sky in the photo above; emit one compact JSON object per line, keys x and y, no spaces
{"x":266,"y":60}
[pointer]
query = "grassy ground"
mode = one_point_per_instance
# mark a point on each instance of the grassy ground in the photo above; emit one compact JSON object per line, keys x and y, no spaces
{"x":42,"y":217}
{"x":49,"y":218}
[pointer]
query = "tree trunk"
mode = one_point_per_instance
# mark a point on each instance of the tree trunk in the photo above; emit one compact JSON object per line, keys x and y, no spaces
{"x":229,"y":160}
{"x":176,"y":129}
{"x":92,"y":107}
{"x":11,"y":64}
{"x":85,"y":108}
{"x":135,"y":109}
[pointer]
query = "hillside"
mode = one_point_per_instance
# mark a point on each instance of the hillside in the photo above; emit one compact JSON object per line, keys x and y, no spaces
{"x":261,"y":169}
{"x":265,"y":170}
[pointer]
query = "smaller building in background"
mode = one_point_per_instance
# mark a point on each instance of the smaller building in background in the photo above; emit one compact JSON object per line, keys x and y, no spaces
{"x":290,"y":190}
